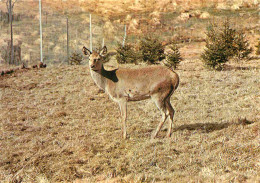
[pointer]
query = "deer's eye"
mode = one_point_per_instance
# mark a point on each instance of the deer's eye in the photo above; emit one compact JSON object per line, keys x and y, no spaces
{"x":95,"y":60}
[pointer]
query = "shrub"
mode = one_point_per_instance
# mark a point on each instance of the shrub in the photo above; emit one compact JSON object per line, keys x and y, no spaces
{"x":215,"y":53}
{"x":151,"y":49}
{"x":223,"y":44}
{"x":173,"y":57}
{"x":242,"y":48}
{"x":75,"y":59}
{"x":126,"y":54}
{"x":6,"y":53}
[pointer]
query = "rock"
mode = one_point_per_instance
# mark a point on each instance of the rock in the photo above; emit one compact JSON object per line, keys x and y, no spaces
{"x":42,"y":65}
{"x":222,"y":6}
{"x":235,"y":7}
{"x":196,"y":13}
{"x":204,"y":15}
{"x":184,"y":17}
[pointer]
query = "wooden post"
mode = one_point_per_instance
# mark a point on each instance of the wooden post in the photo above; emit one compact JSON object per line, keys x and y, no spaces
{"x":68,"y":52}
{"x":103,"y":42}
{"x":40,"y":18}
{"x":90,"y":33}
{"x":124,"y":37}
{"x":11,"y":28}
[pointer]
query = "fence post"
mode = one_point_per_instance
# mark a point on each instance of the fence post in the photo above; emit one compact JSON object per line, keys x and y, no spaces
{"x":124,"y":38}
{"x":40,"y":18}
{"x":68,"y":54}
{"x":11,"y":31}
{"x":103,"y":42}
{"x":90,"y":32}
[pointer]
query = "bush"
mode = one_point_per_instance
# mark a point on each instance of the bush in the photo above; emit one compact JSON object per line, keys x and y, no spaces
{"x":173,"y":57}
{"x":215,"y":54}
{"x":5,"y":53}
{"x":126,"y":54}
{"x":151,"y":49}
{"x":242,"y":49}
{"x":223,"y":44}
{"x":75,"y":59}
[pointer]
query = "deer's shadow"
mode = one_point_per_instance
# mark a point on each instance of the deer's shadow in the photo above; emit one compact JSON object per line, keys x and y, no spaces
{"x":204,"y":127}
{"x":210,"y":127}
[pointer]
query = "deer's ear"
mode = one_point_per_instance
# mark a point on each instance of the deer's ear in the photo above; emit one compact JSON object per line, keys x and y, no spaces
{"x":103,"y":51}
{"x":86,"y":51}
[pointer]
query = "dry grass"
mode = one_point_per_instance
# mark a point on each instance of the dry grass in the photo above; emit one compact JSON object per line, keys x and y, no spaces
{"x":56,"y":126}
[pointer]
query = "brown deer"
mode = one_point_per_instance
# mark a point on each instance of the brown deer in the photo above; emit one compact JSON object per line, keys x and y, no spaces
{"x":123,"y":85}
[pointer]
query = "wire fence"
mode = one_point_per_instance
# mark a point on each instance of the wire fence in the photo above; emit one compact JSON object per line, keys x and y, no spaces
{"x":56,"y":29}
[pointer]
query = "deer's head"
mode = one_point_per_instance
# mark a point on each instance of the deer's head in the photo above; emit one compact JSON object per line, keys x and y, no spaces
{"x":95,"y":58}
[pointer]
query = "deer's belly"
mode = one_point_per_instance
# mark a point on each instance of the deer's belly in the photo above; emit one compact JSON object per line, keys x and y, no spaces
{"x":137,"y":95}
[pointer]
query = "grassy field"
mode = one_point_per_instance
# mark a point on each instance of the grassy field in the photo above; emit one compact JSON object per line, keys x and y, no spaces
{"x":56,"y":126}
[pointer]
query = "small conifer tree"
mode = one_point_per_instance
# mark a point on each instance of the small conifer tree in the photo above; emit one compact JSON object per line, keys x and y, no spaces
{"x":151,"y":49}
{"x":75,"y":59}
{"x":242,"y":48}
{"x":223,"y":44}
{"x":126,"y":54}
{"x":215,"y":54}
{"x":173,"y":58}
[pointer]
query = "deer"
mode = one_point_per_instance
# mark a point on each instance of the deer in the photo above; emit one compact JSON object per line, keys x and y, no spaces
{"x":123,"y":85}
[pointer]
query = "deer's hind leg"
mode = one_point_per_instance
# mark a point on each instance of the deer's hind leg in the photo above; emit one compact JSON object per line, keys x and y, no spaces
{"x":161,"y":104}
{"x":171,"y":113}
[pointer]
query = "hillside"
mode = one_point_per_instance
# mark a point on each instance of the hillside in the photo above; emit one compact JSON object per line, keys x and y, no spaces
{"x":121,"y":7}
{"x":56,"y":126}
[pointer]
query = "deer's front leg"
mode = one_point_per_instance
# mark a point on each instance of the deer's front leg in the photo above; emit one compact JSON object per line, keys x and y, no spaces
{"x":123,"y":109}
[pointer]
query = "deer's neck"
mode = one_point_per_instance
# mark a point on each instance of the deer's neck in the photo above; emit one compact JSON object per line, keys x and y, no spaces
{"x":101,"y":77}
